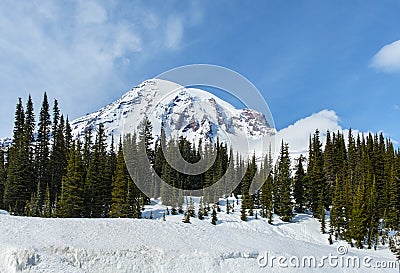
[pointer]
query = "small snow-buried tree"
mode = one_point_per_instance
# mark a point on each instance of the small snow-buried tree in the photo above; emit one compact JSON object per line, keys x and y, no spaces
{"x":200,"y":214}
{"x":214,"y":216}
{"x":394,"y":245}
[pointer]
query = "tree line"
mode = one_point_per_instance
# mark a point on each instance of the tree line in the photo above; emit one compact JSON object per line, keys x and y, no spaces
{"x":354,"y":182}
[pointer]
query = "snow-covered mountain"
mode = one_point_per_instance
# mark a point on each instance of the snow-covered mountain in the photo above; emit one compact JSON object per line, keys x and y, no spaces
{"x":188,"y":112}
{"x":196,"y":113}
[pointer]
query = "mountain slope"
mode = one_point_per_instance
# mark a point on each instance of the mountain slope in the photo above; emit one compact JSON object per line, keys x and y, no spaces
{"x":188,"y":112}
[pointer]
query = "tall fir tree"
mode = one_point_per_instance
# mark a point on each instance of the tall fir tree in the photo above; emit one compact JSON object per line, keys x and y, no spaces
{"x":98,"y":183}
{"x":315,"y":175}
{"x":58,"y":155}
{"x":15,"y":188}
{"x":358,"y":217}
{"x":323,"y":223}
{"x":68,"y":135}
{"x":58,"y":158}
{"x":391,"y":188}
{"x":145,"y":156}
{"x":3,"y":177}
{"x":299,"y":184}
{"x":284,"y":181}
{"x":329,"y":170}
{"x":337,"y":214}
{"x":42,"y":149}
{"x":119,"y":201}
{"x":267,"y":198}
{"x":29,"y":140}
{"x":72,"y":194}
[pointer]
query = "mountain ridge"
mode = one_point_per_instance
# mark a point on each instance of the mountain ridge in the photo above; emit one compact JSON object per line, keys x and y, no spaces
{"x":188,"y":112}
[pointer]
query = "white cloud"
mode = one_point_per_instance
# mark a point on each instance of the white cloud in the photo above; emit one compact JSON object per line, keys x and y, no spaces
{"x":388,"y":58}
{"x":298,"y":134}
{"x":174,"y":32}
{"x":80,"y":51}
{"x":91,"y":12}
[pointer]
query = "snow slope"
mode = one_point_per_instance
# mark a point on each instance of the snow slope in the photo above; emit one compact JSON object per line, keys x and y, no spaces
{"x":187,"y":112}
{"x":154,"y":245}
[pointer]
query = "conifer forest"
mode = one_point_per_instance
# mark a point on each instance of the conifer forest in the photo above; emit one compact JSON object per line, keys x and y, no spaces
{"x":352,"y":179}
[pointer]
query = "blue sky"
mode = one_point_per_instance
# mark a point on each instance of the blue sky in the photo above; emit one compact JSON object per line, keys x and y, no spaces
{"x":304,"y":56}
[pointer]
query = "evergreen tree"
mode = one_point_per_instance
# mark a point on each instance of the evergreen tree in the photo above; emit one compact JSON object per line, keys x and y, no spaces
{"x":42,"y":150}
{"x":214,"y":216}
{"x":58,"y":154}
{"x":284,"y":181}
{"x":247,"y":198}
{"x":37,"y":202}
{"x":392,"y":195}
{"x":358,"y":219}
{"x":68,"y":135}
{"x":394,"y":245}
{"x":186,"y":219}
{"x":200,"y":213}
{"x":329,"y":169}
{"x":72,"y":195}
{"x":145,"y":156}
{"x":15,"y":188}
{"x":98,"y":183}
{"x":3,"y":177}
{"x":267,"y":204}
{"x":28,"y":146}
{"x":47,"y":207}
{"x":159,"y":160}
{"x":119,"y":201}
{"x":323,"y":224}
{"x":134,"y":199}
{"x":190,"y":208}
{"x":243,"y":215}
{"x":372,"y":217}
{"x":337,"y":215}
{"x":315,"y":175}
{"x":299,"y":184}
{"x":87,"y":148}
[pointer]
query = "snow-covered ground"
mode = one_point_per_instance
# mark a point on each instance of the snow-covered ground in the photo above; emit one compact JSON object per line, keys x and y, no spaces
{"x":154,"y":245}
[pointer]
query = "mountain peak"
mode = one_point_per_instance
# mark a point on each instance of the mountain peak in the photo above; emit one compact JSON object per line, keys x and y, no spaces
{"x":189,"y":112}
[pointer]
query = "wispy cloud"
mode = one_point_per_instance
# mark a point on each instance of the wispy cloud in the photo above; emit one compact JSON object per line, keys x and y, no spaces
{"x":388,"y":58}
{"x":91,"y":12}
{"x":79,"y":50}
{"x":174,"y":32}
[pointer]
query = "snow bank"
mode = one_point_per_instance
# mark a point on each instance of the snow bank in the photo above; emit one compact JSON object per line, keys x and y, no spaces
{"x":3,"y":212}
{"x":127,"y":245}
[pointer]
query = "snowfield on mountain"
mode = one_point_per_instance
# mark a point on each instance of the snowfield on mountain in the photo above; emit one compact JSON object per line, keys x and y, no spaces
{"x":188,"y":112}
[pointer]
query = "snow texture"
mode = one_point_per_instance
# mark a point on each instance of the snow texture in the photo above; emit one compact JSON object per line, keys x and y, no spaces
{"x":188,"y":112}
{"x":153,"y":245}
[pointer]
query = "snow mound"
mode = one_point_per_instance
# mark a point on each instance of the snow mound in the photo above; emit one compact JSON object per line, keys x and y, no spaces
{"x":3,"y":212}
